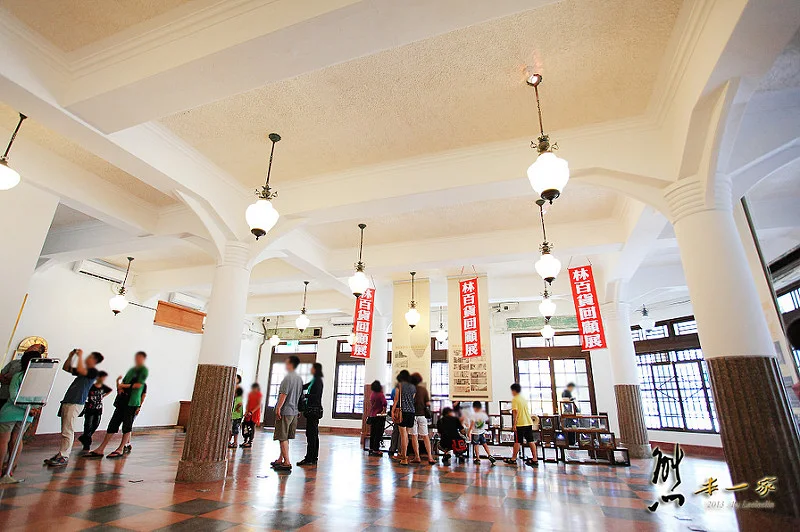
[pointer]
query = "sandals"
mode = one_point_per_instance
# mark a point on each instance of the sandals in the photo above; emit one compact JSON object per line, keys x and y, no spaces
{"x":115,"y":454}
{"x":92,"y":454}
{"x":509,"y":461}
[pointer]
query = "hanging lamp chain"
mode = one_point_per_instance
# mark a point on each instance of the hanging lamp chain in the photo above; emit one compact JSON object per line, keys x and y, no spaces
{"x":305,"y":294}
{"x":266,"y":192}
{"x":542,"y":144}
{"x":125,"y":280}
{"x":413,"y":302}
{"x":360,"y":264}
{"x":13,"y":136}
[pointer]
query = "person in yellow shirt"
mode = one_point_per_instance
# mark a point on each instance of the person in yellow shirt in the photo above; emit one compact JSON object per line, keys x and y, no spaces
{"x":523,"y":425}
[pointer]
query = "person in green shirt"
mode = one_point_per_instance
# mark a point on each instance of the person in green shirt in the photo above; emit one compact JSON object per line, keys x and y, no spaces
{"x":523,"y":426}
{"x":236,"y":417}
{"x":128,"y":401}
{"x":12,"y":417}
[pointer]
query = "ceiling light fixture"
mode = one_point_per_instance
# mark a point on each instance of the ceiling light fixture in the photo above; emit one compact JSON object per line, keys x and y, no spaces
{"x":412,"y":316}
{"x":9,"y":178}
{"x":548,"y":267}
{"x":302,"y":320}
{"x":547,"y":307}
{"x":441,"y":334}
{"x":358,"y":281}
{"x":547,"y":331}
{"x":549,"y":173}
{"x":119,"y":302}
{"x":275,"y":340}
{"x":261,"y":216}
{"x":646,"y":323}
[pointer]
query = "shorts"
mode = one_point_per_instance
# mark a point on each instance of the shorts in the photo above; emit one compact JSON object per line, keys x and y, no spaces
{"x":408,"y":420}
{"x":420,"y":427}
{"x":479,"y":439}
{"x":123,"y":415}
{"x":9,"y":426}
{"x":525,"y":434}
{"x":235,"y":426}
{"x":285,"y":428}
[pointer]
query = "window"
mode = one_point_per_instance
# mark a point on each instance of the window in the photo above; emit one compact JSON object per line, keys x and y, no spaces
{"x":349,"y":400}
{"x":543,"y":372}
{"x":440,"y":386}
{"x":278,"y":372}
{"x":674,"y":381}
{"x":306,"y":351}
{"x":789,"y":301}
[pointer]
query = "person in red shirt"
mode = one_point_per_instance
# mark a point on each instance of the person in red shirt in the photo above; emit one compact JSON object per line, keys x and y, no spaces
{"x":252,"y":415}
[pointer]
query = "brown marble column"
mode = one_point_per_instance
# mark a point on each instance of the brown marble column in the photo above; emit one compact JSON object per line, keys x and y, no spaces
{"x":204,"y":456}
{"x":757,"y":428}
{"x":632,"y":429}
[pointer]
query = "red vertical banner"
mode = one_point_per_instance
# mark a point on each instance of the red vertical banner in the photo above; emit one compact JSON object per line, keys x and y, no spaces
{"x":362,"y":323}
{"x":584,"y":294}
{"x":470,"y":318}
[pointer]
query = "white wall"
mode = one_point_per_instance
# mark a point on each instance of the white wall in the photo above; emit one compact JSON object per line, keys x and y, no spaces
{"x":71,"y":310}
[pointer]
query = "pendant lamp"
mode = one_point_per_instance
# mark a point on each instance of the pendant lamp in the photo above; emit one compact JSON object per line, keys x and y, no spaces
{"x":261,"y":216}
{"x":119,"y":302}
{"x":412,"y":316}
{"x":302,"y":320}
{"x":549,"y":174}
{"x":9,"y":178}
{"x":358,"y":281}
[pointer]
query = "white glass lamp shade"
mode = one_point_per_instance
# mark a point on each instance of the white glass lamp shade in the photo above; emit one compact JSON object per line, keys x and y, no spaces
{"x":358,"y":283}
{"x":117,"y":303}
{"x":548,"y":175}
{"x":9,"y":178}
{"x":412,"y":317}
{"x":547,"y":331}
{"x":274,"y":340}
{"x":441,"y":336}
{"x":548,"y":267}
{"x":302,"y":322}
{"x":647,"y":323}
{"x":261,"y":216}
{"x":547,"y":307}
{"x":351,"y":338}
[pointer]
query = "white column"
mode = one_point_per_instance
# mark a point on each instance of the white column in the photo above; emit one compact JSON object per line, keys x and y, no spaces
{"x":222,"y":336}
{"x":375,"y":365}
{"x":617,"y":323}
{"x":25,"y":216}
{"x":730,"y":320}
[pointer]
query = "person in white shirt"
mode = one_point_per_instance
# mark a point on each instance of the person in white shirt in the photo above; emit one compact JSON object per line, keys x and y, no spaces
{"x":478,"y":425}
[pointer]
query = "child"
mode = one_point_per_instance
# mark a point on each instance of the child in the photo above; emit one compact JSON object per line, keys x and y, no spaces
{"x":522,"y":422}
{"x":236,"y":417}
{"x":450,"y":438}
{"x":93,"y":409}
{"x":253,"y":415}
{"x":479,"y":422}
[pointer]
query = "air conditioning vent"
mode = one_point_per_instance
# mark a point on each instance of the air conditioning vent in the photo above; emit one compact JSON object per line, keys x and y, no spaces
{"x":505,"y":307}
{"x":100,"y":270}
{"x":342,"y":321}
{"x":186,"y":300}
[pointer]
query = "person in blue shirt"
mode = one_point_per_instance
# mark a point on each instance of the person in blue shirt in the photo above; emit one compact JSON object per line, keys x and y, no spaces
{"x":85,"y":372}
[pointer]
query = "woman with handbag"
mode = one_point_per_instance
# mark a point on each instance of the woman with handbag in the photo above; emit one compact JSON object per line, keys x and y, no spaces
{"x":403,"y":412}
{"x":312,"y":411}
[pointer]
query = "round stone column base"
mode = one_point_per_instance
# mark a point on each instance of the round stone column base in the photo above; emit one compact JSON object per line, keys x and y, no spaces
{"x":191,"y":471}
{"x":640,"y":451}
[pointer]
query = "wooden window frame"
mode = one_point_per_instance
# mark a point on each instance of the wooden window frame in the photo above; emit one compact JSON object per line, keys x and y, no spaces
{"x":343,"y":357}
{"x":550,"y":354}
{"x":305,"y":358}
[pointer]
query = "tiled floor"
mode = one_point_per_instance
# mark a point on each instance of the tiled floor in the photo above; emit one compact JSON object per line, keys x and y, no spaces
{"x":349,"y":491}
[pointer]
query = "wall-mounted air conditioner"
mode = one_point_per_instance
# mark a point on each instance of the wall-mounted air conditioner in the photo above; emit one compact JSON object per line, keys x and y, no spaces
{"x":186,"y":300}
{"x":342,"y":321}
{"x":505,"y":307}
{"x":100,"y":270}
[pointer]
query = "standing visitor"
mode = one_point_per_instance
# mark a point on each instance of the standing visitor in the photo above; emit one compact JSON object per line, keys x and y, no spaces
{"x":12,"y":368}
{"x":12,"y":417}
{"x":129,"y":448}
{"x":74,"y":399}
{"x":394,"y":443}
{"x":236,"y":417}
{"x":422,"y":412}
{"x":403,"y":410}
{"x":313,"y":413}
{"x":127,"y":402}
{"x":478,"y":423}
{"x":252,"y":415}
{"x":286,"y":412}
{"x":377,"y":417}
{"x":93,"y":409}
{"x":522,"y":424}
